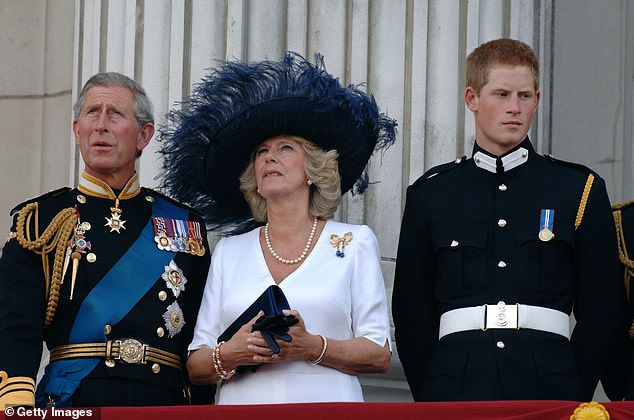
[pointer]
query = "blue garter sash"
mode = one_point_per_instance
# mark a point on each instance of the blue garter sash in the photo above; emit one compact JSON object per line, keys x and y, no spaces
{"x":135,"y":272}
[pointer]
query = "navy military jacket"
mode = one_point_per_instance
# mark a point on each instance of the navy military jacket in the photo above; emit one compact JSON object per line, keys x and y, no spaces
{"x":469,"y":237}
{"x":618,"y":379}
{"x":23,"y":293}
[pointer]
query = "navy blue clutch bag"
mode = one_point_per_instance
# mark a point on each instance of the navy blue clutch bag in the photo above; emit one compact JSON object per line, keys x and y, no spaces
{"x":272,"y":324}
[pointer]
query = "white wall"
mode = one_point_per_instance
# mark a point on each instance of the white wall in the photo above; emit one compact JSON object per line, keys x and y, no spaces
{"x":36,"y":46}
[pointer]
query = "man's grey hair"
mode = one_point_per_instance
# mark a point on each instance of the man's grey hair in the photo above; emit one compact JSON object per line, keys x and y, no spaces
{"x":142,"y":105}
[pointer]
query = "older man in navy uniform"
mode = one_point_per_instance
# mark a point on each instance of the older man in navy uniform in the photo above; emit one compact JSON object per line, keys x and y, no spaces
{"x":110,"y":275}
{"x":497,"y":251}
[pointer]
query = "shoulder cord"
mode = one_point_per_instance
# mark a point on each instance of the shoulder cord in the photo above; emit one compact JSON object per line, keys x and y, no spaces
{"x":623,"y":256}
{"x":625,"y":260}
{"x":55,"y":236}
{"x":584,"y":200}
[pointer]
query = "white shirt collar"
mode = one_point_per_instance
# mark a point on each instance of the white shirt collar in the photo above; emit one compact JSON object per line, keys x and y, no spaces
{"x":510,"y":161}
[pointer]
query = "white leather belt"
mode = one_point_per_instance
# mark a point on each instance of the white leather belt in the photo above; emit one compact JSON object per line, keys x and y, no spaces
{"x":503,"y":316}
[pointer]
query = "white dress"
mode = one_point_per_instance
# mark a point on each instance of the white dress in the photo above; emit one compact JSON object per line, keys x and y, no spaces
{"x":337,"y":297}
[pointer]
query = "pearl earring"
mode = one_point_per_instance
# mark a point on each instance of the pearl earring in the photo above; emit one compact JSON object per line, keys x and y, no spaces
{"x":309,"y":182}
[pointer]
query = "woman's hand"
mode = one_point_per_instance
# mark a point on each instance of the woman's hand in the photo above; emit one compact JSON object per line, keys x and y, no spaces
{"x":302,"y":346}
{"x":353,"y":356}
{"x":233,"y":353}
{"x":239,"y":350}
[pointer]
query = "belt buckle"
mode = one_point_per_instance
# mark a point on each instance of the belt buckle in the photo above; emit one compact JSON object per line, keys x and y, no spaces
{"x":131,"y":351}
{"x":501,"y":316}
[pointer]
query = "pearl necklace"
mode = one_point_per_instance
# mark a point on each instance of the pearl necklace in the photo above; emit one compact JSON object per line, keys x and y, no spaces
{"x":297,"y":260}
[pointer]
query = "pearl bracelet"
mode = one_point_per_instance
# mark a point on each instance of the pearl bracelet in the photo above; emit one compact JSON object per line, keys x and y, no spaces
{"x":323,"y":352}
{"x":215,"y":358}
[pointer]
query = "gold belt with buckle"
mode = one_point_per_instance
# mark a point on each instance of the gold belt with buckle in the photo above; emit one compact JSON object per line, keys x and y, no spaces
{"x":128,"y":350}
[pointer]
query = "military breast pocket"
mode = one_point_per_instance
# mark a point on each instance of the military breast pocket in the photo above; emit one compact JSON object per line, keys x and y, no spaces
{"x":461,"y":260}
{"x":445,"y":376}
{"x":557,"y":372}
{"x":545,"y":266}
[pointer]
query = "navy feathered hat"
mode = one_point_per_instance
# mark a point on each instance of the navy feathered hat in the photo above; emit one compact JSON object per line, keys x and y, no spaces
{"x":208,"y":141}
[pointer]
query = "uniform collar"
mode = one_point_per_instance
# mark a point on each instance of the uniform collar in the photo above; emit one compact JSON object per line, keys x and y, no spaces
{"x":95,"y":187}
{"x":510,"y":160}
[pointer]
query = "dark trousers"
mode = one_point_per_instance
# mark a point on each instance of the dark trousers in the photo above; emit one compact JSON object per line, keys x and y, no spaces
{"x":101,"y":392}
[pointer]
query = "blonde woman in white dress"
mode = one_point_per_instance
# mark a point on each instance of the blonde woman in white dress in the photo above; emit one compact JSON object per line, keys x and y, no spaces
{"x":288,"y":141}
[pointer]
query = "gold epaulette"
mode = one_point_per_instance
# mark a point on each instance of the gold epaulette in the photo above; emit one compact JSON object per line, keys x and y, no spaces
{"x":584,"y":201}
{"x":56,"y":237}
{"x":19,"y":390}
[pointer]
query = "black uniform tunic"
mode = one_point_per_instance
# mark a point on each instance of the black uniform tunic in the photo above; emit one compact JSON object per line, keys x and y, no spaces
{"x":22,"y":304}
{"x":469,"y":237}
{"x":618,"y":379}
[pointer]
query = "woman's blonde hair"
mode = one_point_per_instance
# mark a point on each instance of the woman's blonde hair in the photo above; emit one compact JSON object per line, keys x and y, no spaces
{"x":322,"y":169}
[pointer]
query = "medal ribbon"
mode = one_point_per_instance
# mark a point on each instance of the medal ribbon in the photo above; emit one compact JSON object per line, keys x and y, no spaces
{"x":546,"y":219}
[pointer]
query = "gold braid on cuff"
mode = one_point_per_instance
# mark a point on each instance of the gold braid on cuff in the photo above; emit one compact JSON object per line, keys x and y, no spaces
{"x":19,"y":390}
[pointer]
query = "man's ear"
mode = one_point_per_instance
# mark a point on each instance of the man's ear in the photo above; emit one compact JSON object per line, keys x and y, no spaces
{"x":537,"y":96}
{"x":76,"y":130}
{"x":145,"y":135}
{"x":471,"y":99}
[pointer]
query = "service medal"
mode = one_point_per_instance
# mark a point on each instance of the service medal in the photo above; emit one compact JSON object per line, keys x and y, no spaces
{"x":546,"y":235}
{"x":163,"y":242}
{"x":201,"y":247}
{"x":546,"y":219}
{"x":192,"y":246}
{"x":195,"y":240}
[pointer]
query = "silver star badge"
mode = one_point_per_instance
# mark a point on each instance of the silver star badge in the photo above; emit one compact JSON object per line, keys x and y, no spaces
{"x":114,"y":223}
{"x":174,"y":320}
{"x":174,"y":278}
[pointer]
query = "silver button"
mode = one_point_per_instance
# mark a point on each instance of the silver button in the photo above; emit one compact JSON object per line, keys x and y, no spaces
{"x":524,"y":154}
{"x":477,"y":160}
{"x":156,"y":368}
{"x":501,"y":223}
{"x":81,"y":199}
{"x":501,"y":264}
{"x":500,"y":344}
{"x":458,"y":160}
{"x":160,"y":332}
{"x":454,"y":243}
{"x":149,"y":198}
{"x":502,"y":187}
{"x":109,"y":362}
{"x":91,"y":258}
{"x":107,"y":329}
{"x":162,"y":295}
